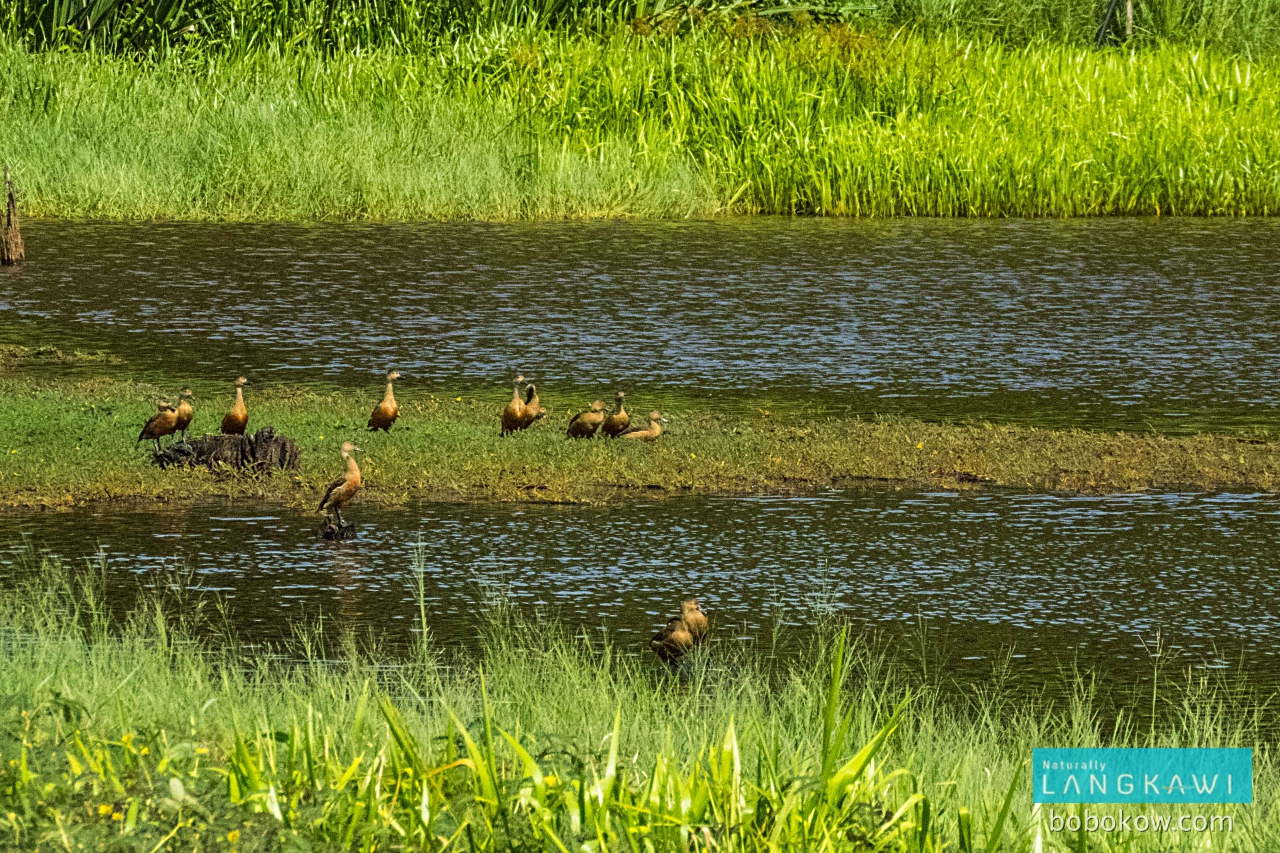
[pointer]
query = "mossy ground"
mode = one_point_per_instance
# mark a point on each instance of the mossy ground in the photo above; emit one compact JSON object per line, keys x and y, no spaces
{"x":69,"y":443}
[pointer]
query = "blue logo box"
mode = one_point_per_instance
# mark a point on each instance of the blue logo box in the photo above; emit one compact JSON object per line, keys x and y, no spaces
{"x":1142,"y":775}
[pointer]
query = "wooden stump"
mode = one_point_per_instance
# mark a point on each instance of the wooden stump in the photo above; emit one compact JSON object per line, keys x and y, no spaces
{"x":264,"y":451}
{"x":11,"y":250}
{"x":337,"y":532}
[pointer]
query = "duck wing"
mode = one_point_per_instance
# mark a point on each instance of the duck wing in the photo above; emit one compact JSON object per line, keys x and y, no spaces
{"x":148,"y":429}
{"x":329,"y":491}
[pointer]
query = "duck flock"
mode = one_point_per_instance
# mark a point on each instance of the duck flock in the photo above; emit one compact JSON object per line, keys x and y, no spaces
{"x":680,"y":635}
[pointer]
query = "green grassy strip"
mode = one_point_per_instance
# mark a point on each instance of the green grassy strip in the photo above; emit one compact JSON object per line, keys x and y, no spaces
{"x":136,"y":736}
{"x":231,"y":26}
{"x":736,"y":116}
{"x":71,"y":443}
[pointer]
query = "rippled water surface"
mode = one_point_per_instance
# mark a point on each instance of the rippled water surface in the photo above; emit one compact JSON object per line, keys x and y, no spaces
{"x":1055,"y":579}
{"x":1110,"y":323}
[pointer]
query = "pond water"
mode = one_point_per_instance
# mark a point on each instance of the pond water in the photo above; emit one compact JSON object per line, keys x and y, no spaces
{"x":1108,"y":324}
{"x":1056,"y":580}
{"x":1165,"y":324}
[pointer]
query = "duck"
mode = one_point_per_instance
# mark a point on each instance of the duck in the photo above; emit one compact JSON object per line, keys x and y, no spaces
{"x":650,"y":432}
{"x":618,"y":420}
{"x":386,"y":412}
{"x":695,"y":619}
{"x":163,"y":422}
{"x":513,"y":414}
{"x":532,"y":410}
{"x":673,"y":642}
{"x":343,"y":489}
{"x":238,"y":418}
{"x":585,"y":424}
{"x":185,"y":413}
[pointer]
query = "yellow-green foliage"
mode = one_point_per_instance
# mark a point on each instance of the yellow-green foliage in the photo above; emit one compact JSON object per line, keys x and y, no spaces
{"x":735,"y":116}
{"x":138,"y":736}
{"x":69,"y":443}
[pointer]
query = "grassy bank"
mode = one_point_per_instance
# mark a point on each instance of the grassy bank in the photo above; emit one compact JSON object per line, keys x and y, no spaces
{"x":136,"y":736}
{"x":69,"y":443}
{"x":752,"y":115}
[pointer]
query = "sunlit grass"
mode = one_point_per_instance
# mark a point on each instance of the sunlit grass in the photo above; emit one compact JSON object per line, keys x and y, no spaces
{"x":135,"y":734}
{"x":732,"y":117}
{"x":67,"y":443}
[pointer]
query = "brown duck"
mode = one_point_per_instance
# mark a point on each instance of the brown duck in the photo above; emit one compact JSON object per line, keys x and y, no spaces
{"x":695,"y":620}
{"x":343,"y":489}
{"x":585,"y":424}
{"x":163,"y":422}
{"x":673,"y":642}
{"x":238,"y":418}
{"x":185,"y":413}
{"x":650,"y":432}
{"x":618,"y":420}
{"x":513,"y":414}
{"x":386,"y":412}
{"x":532,"y":409}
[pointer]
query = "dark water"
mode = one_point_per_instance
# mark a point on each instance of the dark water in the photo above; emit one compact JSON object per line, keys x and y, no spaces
{"x":1167,"y":324}
{"x":1056,"y":579}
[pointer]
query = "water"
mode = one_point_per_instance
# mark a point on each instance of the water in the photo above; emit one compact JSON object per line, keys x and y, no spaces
{"x":1109,"y":324}
{"x":1054,"y":580}
{"x":1137,"y":324}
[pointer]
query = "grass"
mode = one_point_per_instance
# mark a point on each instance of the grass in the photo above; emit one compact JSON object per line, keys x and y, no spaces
{"x":232,"y":26}
{"x":735,"y":115}
{"x":136,"y":735}
{"x":68,"y":443}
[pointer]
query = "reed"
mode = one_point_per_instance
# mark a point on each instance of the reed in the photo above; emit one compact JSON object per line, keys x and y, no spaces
{"x":223,"y":26}
{"x":735,"y":115}
{"x":131,"y":732}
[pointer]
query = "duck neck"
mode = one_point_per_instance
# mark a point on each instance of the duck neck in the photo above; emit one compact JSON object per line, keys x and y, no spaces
{"x":515,"y":394}
{"x":388,"y":399}
{"x":239,"y":404}
{"x":353,"y":470}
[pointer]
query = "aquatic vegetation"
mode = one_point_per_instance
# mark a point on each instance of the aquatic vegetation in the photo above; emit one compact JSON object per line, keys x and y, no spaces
{"x":718,"y":119}
{"x":131,"y":731}
{"x":70,"y":443}
{"x":417,"y":25}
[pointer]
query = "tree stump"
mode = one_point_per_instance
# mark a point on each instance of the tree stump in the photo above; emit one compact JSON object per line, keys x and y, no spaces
{"x":337,"y":532}
{"x":11,"y":250}
{"x":264,"y":451}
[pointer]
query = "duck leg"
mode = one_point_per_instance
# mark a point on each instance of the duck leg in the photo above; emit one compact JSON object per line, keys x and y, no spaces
{"x":338,"y":513}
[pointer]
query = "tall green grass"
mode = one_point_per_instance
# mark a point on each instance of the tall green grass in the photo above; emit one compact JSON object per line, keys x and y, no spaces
{"x":734,"y":117}
{"x":151,"y":26}
{"x":133,"y":734}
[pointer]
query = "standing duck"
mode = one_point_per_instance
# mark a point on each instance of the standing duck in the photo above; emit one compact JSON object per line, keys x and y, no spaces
{"x":343,"y":489}
{"x":585,"y":424}
{"x":163,"y":422}
{"x":618,"y":420}
{"x":513,"y":414}
{"x":185,"y":413}
{"x":695,"y":620}
{"x":238,"y":418}
{"x":650,"y":432}
{"x":386,"y":412}
{"x":673,"y":642}
{"x":532,"y":409}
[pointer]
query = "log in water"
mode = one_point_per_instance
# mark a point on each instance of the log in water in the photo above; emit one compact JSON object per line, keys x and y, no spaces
{"x":265,"y":450}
